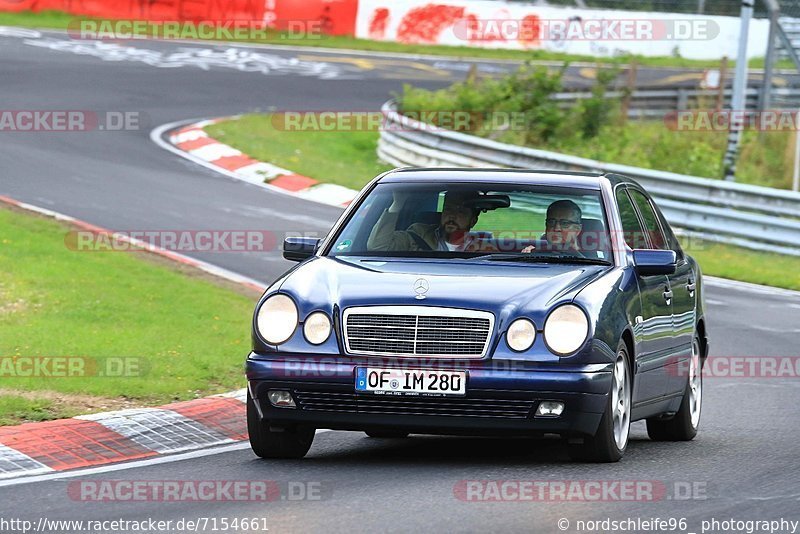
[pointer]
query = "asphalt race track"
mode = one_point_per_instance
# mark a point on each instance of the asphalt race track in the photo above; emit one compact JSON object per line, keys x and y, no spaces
{"x":743,"y":464}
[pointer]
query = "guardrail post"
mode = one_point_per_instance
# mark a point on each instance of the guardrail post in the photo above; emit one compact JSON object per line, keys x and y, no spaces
{"x":683,"y":100}
{"x":739,"y":88}
{"x":765,"y":94}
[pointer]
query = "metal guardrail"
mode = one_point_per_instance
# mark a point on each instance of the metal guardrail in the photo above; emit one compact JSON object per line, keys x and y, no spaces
{"x":657,"y":103}
{"x":789,"y":38}
{"x":758,"y":218}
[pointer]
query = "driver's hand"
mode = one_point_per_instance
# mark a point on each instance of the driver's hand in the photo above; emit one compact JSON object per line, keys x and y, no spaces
{"x":528,"y":249}
{"x":399,"y":199}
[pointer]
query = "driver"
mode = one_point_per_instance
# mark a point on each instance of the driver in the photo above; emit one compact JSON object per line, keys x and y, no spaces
{"x":562,"y":227}
{"x":451,"y":234}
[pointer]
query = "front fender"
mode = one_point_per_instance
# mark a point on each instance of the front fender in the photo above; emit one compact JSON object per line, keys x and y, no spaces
{"x":613,"y":302}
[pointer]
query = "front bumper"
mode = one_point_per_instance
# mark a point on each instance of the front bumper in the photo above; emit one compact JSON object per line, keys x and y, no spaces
{"x":500,"y":399}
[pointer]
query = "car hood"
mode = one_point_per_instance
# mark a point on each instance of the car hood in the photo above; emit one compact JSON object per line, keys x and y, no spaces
{"x":504,"y":289}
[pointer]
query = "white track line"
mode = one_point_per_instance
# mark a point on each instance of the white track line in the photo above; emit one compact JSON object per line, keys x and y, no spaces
{"x":130,"y":465}
{"x":749,"y":287}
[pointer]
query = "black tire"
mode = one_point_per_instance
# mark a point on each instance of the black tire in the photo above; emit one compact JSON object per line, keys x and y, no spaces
{"x":680,"y":427}
{"x":394,"y":434}
{"x":290,"y":443}
{"x":602,"y":447}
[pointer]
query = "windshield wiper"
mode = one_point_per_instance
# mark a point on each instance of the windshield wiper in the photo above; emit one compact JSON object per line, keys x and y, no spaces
{"x":540,"y":258}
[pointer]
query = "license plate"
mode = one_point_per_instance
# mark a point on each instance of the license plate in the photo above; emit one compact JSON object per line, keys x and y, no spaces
{"x":410,"y":381}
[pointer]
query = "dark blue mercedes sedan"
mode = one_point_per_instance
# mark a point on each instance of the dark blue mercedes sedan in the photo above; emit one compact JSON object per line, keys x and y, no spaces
{"x":482,"y":301}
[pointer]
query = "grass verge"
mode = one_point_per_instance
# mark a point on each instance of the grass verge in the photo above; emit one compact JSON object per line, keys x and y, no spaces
{"x":344,"y":158}
{"x":765,"y":159}
{"x":60,"y":20}
{"x":349,"y":159}
{"x":139,"y":330}
{"x":736,"y":263}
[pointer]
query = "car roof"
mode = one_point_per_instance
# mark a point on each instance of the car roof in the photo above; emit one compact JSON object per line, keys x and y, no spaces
{"x":583,"y":180}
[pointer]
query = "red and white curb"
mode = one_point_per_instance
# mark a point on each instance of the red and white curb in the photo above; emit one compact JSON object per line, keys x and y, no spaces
{"x":133,"y":434}
{"x":192,"y":142}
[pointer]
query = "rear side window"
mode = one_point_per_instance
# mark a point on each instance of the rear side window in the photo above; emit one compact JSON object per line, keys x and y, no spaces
{"x":631,"y":227}
{"x":650,"y":220}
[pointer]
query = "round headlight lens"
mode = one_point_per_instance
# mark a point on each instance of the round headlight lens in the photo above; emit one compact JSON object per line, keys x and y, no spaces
{"x":521,"y":334}
{"x":566,"y":329}
{"x":277,"y":319}
{"x":317,"y":328}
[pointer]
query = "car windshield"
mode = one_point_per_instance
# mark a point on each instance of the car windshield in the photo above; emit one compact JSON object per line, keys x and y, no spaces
{"x":478,"y":222}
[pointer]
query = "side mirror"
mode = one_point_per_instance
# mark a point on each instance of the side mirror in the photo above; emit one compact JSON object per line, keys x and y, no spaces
{"x":299,"y":248}
{"x":650,"y":262}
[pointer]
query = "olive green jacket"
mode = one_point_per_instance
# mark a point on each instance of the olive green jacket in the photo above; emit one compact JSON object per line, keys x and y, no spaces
{"x":385,"y":237}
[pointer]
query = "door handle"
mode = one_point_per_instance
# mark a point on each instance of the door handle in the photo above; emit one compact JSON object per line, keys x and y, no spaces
{"x":690,"y":287}
{"x":668,"y":295}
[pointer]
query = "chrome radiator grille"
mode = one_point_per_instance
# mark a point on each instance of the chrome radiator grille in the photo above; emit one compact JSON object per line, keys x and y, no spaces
{"x":417,"y":331}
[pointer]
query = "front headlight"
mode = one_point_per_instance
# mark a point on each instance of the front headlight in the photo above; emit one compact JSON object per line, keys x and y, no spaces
{"x":277,"y":319}
{"x":565,"y":330}
{"x":317,"y":328}
{"x":520,"y":335}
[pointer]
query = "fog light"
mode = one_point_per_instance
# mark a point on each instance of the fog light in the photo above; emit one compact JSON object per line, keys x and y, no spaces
{"x":281,"y":399}
{"x":550,"y":409}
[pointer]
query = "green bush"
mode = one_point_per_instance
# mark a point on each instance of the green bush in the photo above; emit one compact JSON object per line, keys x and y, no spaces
{"x":595,"y":111}
{"x":592,"y":128}
{"x":527,"y":91}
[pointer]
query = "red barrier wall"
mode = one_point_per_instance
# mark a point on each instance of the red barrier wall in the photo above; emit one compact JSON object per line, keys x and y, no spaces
{"x":182,"y":10}
{"x":337,"y":17}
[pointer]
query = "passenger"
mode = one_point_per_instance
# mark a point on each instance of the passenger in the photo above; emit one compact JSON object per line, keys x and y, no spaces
{"x":562,"y":227}
{"x":451,"y":234}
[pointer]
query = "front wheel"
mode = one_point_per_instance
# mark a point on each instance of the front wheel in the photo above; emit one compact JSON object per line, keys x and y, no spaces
{"x":266,"y":443}
{"x":611,"y":439}
{"x":683,"y":426}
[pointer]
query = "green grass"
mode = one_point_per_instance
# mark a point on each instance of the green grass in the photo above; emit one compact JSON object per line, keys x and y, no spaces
{"x":43,"y":19}
{"x":348,"y":158}
{"x":60,"y":20}
{"x":15,"y":409}
{"x":765,"y":159}
{"x":747,"y":265}
{"x":187,"y":336}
